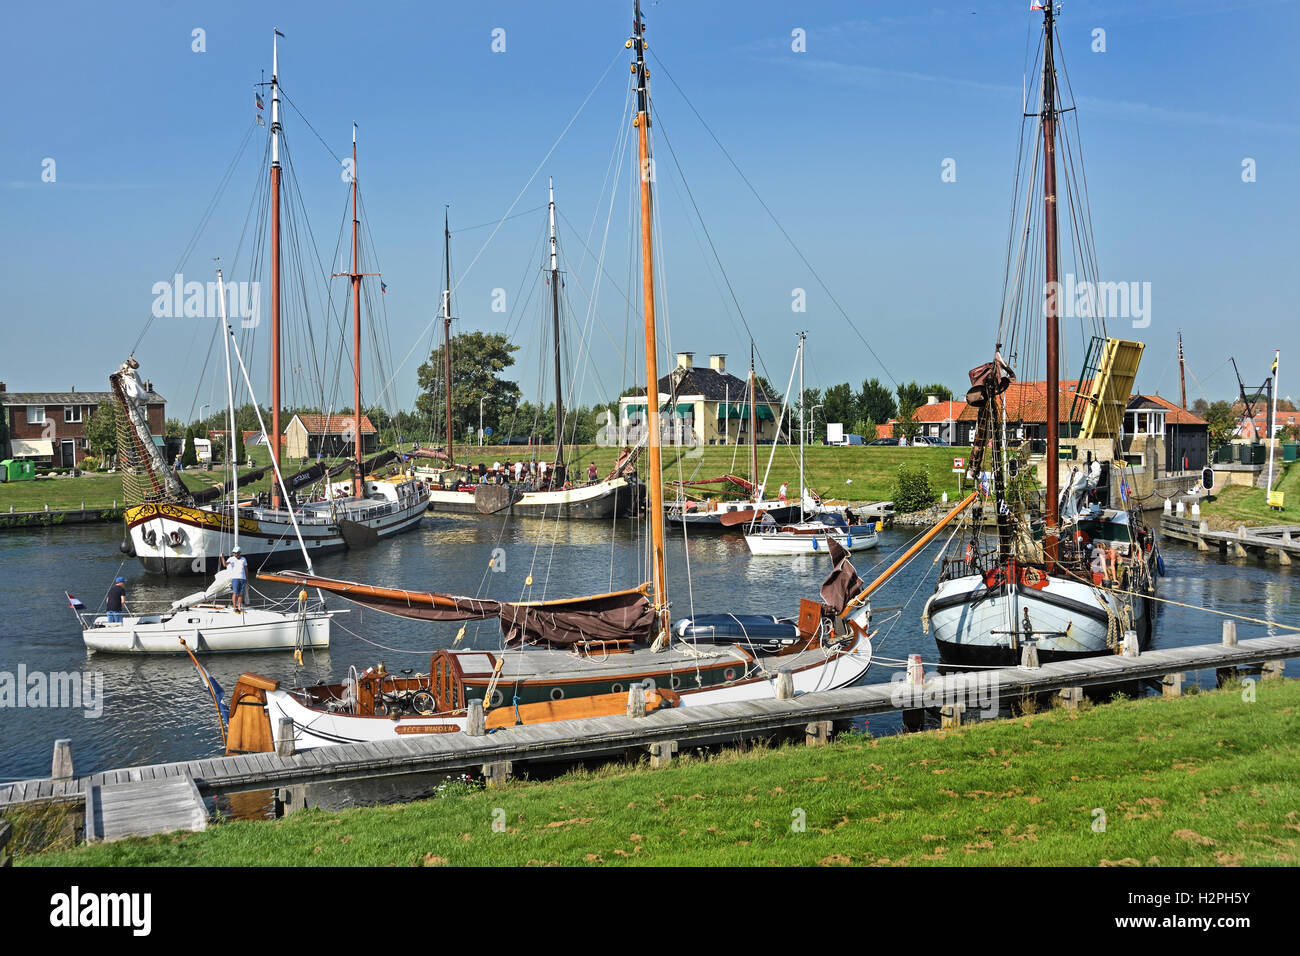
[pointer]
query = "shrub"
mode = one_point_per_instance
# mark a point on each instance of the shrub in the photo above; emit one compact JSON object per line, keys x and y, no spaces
{"x":912,"y":492}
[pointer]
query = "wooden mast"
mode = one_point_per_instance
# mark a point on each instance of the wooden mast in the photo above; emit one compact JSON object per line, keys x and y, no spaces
{"x":555,"y":321}
{"x":446,"y":333}
{"x":642,"y":123}
{"x":1053,"y":321}
{"x":356,"y":326}
{"x":274,"y":438}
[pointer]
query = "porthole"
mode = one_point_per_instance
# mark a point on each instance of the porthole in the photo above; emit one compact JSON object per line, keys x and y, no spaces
{"x":557,"y":693}
{"x":676,"y":682}
{"x":729,"y":673}
{"x":616,"y":688}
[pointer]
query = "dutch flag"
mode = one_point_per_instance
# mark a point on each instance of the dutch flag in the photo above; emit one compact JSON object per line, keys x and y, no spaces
{"x":74,"y":603}
{"x":220,"y":695}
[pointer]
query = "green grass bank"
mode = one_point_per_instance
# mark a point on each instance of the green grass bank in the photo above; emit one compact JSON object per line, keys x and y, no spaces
{"x":1211,"y":779}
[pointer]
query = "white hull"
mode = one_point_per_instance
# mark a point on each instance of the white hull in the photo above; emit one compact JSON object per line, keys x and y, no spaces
{"x":791,"y":543}
{"x":209,"y":629}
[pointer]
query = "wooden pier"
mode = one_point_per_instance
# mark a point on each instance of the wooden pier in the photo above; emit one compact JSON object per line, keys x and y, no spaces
{"x":1280,"y":542}
{"x":356,"y":774}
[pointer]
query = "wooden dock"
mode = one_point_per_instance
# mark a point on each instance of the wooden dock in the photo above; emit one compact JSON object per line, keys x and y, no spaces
{"x":1281,"y":542}
{"x":142,"y":808}
{"x":386,"y":771}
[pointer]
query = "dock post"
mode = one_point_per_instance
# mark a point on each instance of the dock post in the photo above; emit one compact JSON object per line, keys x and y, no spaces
{"x":1203,"y":530}
{"x":1224,"y":674}
{"x":61,"y":767}
{"x":950,"y":715}
{"x":661,"y":753}
{"x":497,"y":772}
{"x":1131,"y":647}
{"x":817,"y":732}
{"x":636,"y":700}
{"x":284,"y":742}
{"x":476,"y":722}
{"x":1029,"y":657}
{"x":1271,"y":670}
{"x":1171,"y":685}
{"x":1237,"y":549}
{"x":1071,"y":697}
{"x":914,"y":718}
{"x":784,"y":685}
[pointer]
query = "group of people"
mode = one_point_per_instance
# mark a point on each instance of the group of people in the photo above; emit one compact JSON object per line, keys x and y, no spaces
{"x":535,"y":474}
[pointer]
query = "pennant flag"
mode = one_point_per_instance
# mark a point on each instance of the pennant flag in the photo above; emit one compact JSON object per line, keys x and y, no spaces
{"x":74,"y":603}
{"x":383,"y":287}
{"x":1275,"y":358}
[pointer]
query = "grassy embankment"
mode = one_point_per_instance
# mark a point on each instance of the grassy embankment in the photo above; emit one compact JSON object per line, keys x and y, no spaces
{"x":1210,"y":779}
{"x":872,"y":470}
{"x":1238,"y":505}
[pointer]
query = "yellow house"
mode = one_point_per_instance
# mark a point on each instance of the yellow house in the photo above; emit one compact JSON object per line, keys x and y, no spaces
{"x":712,"y":408}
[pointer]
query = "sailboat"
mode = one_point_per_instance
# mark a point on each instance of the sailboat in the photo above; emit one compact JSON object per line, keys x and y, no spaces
{"x":173,"y":531}
{"x":452,"y":489}
{"x":575,"y":657}
{"x":197,"y":621}
{"x":808,"y":537}
{"x":1074,"y":575}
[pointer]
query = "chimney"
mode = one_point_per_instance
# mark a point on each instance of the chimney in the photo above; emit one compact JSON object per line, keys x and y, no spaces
{"x":685,"y":359}
{"x":2,"y":387}
{"x":718,"y":362}
{"x":932,"y":399}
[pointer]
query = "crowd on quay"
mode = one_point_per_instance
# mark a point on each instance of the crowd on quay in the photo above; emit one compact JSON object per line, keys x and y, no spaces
{"x":533,"y":475}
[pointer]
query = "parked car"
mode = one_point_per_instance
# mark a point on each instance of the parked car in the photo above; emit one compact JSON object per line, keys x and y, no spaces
{"x":884,"y":441}
{"x":927,"y":440}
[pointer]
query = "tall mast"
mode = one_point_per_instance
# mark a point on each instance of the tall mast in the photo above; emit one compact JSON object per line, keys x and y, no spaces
{"x":1053,"y":321}
{"x":230,"y":415}
{"x":1182,"y":378}
{"x":555,"y":326}
{"x":446,"y":332}
{"x":273,"y":439}
{"x":753,"y":424}
{"x":356,"y":325}
{"x":642,"y":123}
{"x":802,"y":336}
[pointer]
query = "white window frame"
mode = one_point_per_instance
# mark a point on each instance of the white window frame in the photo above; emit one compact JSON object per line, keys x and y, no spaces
{"x":72,"y":414}
{"x":32,"y":409}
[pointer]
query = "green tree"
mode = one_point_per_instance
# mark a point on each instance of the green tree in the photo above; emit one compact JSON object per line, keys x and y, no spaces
{"x":241,"y":453}
{"x":910,"y":397}
{"x":907,"y":426}
{"x":477,"y":361}
{"x":1200,"y":407}
{"x":941,"y":392}
{"x":875,"y":402}
{"x":1222,"y":423}
{"x":100,"y":431}
{"x":189,"y":458}
{"x":840,"y":404}
{"x":764,"y":387}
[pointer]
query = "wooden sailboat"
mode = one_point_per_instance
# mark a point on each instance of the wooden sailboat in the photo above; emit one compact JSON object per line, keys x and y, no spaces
{"x":174,"y":532}
{"x":453,"y":489}
{"x":1073,"y":576}
{"x":808,"y":537}
{"x":575,"y":657}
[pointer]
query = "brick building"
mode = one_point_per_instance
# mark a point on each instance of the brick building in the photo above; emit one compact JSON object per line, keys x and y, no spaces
{"x":49,"y":427}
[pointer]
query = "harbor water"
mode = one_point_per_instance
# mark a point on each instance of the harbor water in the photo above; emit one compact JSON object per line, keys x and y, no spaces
{"x":154,"y":709}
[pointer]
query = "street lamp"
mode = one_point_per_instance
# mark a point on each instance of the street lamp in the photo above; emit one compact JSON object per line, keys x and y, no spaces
{"x":480,"y":420}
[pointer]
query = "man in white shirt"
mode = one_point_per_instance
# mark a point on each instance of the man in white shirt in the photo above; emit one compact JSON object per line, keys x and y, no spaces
{"x":519,"y":470}
{"x":237,"y":564}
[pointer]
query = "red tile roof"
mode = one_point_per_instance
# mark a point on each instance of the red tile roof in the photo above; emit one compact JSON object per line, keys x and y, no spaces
{"x":940,"y":412}
{"x":1174,"y":415}
{"x":334,"y":424}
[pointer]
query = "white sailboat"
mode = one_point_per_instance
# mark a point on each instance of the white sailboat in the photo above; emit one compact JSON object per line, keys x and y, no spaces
{"x":172,"y":532}
{"x":809,"y":537}
{"x":198,"y":621}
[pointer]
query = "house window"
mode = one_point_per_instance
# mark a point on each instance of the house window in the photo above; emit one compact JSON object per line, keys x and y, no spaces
{"x":35,"y":414}
{"x":71,"y":413}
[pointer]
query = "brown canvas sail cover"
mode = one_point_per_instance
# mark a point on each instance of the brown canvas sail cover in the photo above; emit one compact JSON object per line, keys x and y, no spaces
{"x":843,"y":581}
{"x":622,"y":615}
{"x":988,"y":381}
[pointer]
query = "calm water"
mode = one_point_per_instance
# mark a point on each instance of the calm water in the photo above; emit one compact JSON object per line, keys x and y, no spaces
{"x":156,"y":710}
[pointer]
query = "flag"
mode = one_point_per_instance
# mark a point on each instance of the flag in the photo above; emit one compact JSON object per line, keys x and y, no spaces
{"x":218,"y":695}
{"x":383,"y":287}
{"x":1035,"y":6}
{"x":1275,"y":357}
{"x":259,"y":100}
{"x":74,"y":603}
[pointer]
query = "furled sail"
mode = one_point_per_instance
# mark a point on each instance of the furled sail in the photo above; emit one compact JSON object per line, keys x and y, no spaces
{"x":620,"y":615}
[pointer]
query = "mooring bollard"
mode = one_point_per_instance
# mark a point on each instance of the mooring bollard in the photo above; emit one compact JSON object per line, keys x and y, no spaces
{"x":1029,"y":656}
{"x":817,"y":732}
{"x":1071,"y":697}
{"x":784,"y":685}
{"x":1224,"y":674}
{"x":475,"y":721}
{"x":285,"y":745}
{"x":661,"y":752}
{"x":497,"y":772}
{"x":1272,"y":670}
{"x":61,"y":767}
{"x":950,"y":715}
{"x":1171,"y":685}
{"x":1131,"y":648}
{"x":636,"y":700}
{"x":914,"y":717}
{"x":1169,"y":506}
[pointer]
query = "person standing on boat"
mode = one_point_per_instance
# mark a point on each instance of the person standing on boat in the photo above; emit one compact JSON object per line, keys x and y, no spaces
{"x":116,"y":601}
{"x":592,"y":473}
{"x":237,"y":564}
{"x":780,"y":492}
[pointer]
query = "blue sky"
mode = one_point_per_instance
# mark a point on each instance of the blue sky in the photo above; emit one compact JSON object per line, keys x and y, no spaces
{"x":844,"y":142}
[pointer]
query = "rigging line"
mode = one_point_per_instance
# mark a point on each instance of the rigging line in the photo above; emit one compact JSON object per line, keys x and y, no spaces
{"x":771,"y":215}
{"x":497,"y":222}
{"x":338,"y":159}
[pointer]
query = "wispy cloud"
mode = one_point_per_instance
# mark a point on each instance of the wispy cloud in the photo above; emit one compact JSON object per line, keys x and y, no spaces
{"x":62,"y":184}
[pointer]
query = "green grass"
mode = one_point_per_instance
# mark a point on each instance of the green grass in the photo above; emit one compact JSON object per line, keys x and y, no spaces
{"x":1207,"y":780}
{"x":1238,"y":505}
